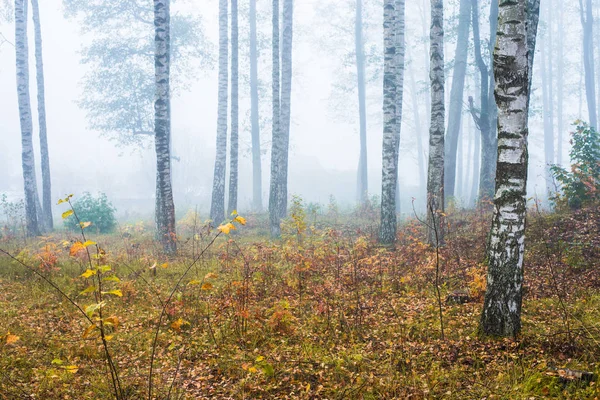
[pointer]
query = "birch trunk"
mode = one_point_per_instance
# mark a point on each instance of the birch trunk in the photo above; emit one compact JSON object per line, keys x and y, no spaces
{"x":387,"y":233}
{"x":217,"y":207}
{"x":276,"y":144}
{"x":435,"y":174}
{"x":27,"y":155}
{"x":503,"y":298}
{"x":233,"y":162}
{"x":587,"y":21}
{"x":456,"y":98}
{"x":165,"y":207}
{"x":362,"y":187}
{"x":546,"y":67}
{"x":286,"y":100}
{"x":256,"y":155}
{"x":45,"y":155}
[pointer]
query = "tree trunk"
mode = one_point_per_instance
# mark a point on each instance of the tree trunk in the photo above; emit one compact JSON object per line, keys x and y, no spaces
{"x":587,"y":21}
{"x":39,"y":67}
{"x":418,"y":129}
{"x":27,"y":155}
{"x":501,"y":314}
{"x":435,"y":174}
{"x":217,"y":207}
{"x":387,"y":233}
{"x":548,"y":116}
{"x":165,"y":207}
{"x":276,"y":144}
{"x":560,"y":85}
{"x":456,"y":98}
{"x":362,"y":188}
{"x":459,"y":171}
{"x":256,"y":156}
{"x":286,"y":99}
{"x":233,"y":166}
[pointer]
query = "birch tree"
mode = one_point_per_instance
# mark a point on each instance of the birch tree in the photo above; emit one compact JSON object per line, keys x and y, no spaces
{"x":165,"y":207}
{"x":234,"y":140}
{"x":501,"y":314}
{"x":435,"y":172}
{"x":276,"y":145}
{"x":456,"y":98}
{"x":254,"y":115}
{"x":362,"y":187}
{"x":393,"y":80}
{"x":41,"y":105}
{"x":281,"y":114}
{"x":27,"y":155}
{"x":217,"y":207}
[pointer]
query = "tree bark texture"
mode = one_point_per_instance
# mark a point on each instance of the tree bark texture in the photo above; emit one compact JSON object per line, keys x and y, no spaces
{"x":234,"y":139}
{"x":165,"y":207}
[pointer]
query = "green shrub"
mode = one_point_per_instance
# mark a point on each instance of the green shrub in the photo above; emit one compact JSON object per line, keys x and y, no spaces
{"x":97,"y":210}
{"x":581,"y":185}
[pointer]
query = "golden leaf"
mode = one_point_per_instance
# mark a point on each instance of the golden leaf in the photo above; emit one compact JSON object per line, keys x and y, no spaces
{"x":88,"y":243}
{"x":88,"y":330}
{"x":226,"y":228}
{"x":88,"y":273}
{"x":207,"y":286}
{"x":10,"y":339}
{"x":241,"y":220}
{"x":76,"y":248}
{"x":84,"y":225}
{"x":71,"y":368}
{"x":67,"y":214}
{"x":112,"y":320}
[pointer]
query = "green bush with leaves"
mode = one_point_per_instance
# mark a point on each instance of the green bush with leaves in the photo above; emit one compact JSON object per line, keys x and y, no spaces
{"x":97,"y":210}
{"x":580,"y":185}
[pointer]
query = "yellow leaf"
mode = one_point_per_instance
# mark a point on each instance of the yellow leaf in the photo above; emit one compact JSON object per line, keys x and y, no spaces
{"x":88,"y":243}
{"x":104,"y":268}
{"x":115,"y":292}
{"x":252,"y":370}
{"x":259,"y":359}
{"x":60,"y":201}
{"x":88,"y":330}
{"x":88,"y":272}
{"x":76,"y":248}
{"x":210,"y":275}
{"x":108,"y":337}
{"x":67,"y":214}
{"x":10,"y":339}
{"x":234,"y":212}
{"x":207,"y":286}
{"x":112,"y":320}
{"x":194,"y":282}
{"x":176,"y":325}
{"x":165,"y":265}
{"x":89,"y":289}
{"x":71,"y":368}
{"x":226,"y":228}
{"x":241,"y":220}
{"x":84,"y":225}
{"x":111,"y":278}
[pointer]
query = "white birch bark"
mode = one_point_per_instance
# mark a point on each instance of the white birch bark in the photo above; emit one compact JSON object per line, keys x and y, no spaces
{"x":286,"y":100}
{"x":435,"y":173}
{"x":27,"y":155}
{"x":387,"y":232}
{"x":234,"y":139}
{"x":217,"y":207}
{"x":165,"y":207}
{"x":41,"y":105}
{"x":276,"y":144}
{"x":502,"y":305}
{"x":257,"y":204}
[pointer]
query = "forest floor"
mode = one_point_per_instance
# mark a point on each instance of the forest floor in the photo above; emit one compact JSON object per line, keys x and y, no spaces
{"x":325,"y":313}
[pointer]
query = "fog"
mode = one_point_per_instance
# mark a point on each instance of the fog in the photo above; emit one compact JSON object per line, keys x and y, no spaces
{"x":324,"y":139}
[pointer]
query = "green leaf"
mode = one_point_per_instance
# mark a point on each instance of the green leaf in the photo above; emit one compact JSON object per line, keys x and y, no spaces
{"x":111,"y":278}
{"x":194,"y":282}
{"x":89,"y":310}
{"x":104,"y":268}
{"x":57,"y":361}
